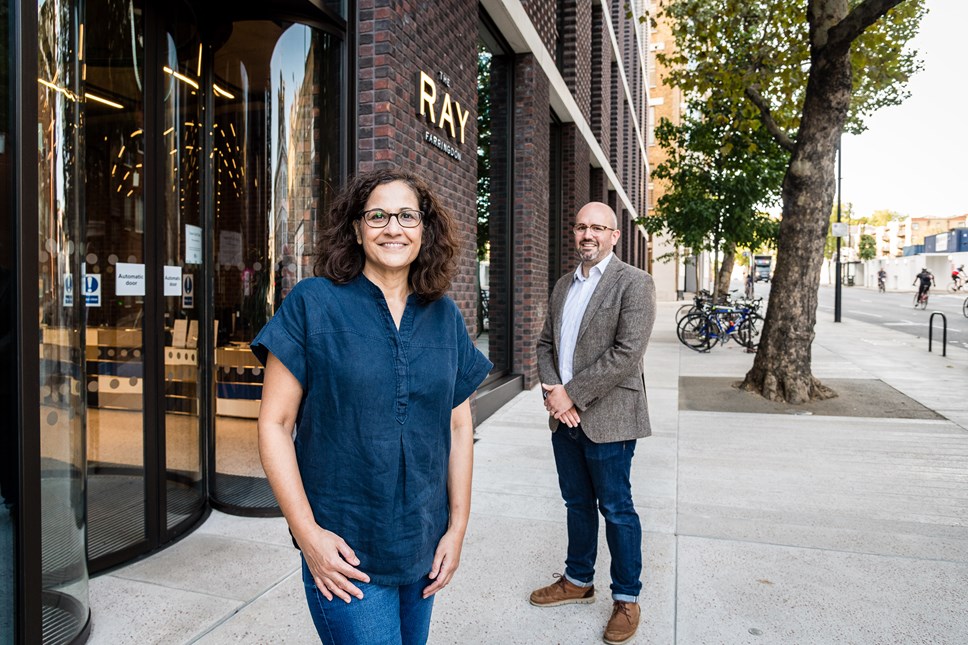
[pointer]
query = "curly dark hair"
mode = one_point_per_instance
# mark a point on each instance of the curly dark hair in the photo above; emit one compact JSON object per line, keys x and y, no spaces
{"x":340,"y":258}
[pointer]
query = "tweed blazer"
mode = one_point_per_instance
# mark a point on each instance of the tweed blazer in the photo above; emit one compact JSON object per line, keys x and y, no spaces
{"x":608,"y":386}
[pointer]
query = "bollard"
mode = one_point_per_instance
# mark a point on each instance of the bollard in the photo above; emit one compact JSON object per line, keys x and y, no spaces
{"x":944,"y":331}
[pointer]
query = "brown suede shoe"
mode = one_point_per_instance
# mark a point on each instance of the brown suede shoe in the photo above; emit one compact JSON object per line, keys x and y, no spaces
{"x":623,"y":623}
{"x":562,"y":592}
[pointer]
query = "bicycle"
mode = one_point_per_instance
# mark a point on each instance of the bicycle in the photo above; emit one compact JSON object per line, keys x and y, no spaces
{"x":703,"y":330}
{"x":964,"y":308}
{"x":955,"y":286}
{"x":921,"y":299}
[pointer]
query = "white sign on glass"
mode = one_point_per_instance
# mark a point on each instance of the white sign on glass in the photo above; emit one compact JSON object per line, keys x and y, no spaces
{"x":173,"y":281}
{"x":130,"y":280}
{"x":193,"y":244}
{"x":229,"y":248}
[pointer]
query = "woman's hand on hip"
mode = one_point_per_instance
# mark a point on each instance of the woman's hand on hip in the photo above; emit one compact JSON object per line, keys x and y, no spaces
{"x":333,"y":564}
{"x":446,"y":561}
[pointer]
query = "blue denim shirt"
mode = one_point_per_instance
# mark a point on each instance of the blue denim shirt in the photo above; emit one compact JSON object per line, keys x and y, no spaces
{"x":373,"y":429}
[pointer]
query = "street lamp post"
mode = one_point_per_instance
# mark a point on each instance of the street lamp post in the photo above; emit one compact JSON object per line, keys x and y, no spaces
{"x":840,"y":154}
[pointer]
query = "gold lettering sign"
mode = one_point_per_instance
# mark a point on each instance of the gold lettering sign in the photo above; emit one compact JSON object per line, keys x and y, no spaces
{"x":450,"y":116}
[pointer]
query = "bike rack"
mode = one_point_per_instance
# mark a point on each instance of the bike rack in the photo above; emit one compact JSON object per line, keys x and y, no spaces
{"x":944,"y":331}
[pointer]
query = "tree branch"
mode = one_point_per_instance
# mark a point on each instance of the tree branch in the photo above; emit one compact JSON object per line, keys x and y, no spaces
{"x":841,"y":35}
{"x":781,"y":137}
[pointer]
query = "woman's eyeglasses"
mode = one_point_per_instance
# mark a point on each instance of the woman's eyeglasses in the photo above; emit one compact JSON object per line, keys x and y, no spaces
{"x":379,"y":218}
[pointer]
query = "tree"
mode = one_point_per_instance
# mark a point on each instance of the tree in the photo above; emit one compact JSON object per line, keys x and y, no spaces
{"x":867,"y":247}
{"x":719,"y":177}
{"x":798,"y":69}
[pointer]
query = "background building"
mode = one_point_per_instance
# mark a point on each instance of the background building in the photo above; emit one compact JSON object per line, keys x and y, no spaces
{"x":164,"y":168}
{"x":668,"y":267}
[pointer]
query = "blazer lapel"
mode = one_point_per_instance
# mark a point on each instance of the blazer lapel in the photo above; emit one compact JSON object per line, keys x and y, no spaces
{"x":609,"y":278}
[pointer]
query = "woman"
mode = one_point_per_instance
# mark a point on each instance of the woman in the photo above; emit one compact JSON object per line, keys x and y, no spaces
{"x":365,"y":429}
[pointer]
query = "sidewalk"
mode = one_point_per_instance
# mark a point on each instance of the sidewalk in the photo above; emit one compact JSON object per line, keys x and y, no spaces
{"x":759,"y":528}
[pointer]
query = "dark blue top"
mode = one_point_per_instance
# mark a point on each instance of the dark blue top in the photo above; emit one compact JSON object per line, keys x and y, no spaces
{"x":373,"y":429}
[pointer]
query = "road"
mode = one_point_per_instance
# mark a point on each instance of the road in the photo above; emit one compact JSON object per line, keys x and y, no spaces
{"x":896,"y":310}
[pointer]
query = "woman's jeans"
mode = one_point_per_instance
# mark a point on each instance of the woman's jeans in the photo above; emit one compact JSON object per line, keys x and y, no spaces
{"x":385,"y":616}
{"x":593,"y":477}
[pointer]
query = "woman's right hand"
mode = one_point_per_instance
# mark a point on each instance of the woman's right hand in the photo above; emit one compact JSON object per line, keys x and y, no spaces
{"x":332,"y":563}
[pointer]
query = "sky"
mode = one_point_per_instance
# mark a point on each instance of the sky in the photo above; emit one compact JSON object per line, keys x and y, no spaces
{"x":913,"y":158}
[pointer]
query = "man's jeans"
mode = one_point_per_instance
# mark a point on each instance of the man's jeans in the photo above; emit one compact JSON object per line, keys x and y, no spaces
{"x":595,"y":476}
{"x":385,"y":616}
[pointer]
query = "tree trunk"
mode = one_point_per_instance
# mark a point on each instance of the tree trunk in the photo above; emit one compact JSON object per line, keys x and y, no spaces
{"x":726,"y":271}
{"x":781,"y":370}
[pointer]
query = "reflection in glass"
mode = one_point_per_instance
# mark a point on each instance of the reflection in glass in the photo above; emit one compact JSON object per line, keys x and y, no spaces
{"x":493,"y":337}
{"x":62,"y":379}
{"x":115,"y":208}
{"x":10,"y":433}
{"x":276,"y":158}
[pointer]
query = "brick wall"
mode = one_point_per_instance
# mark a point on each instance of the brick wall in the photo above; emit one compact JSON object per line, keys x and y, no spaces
{"x":398,"y":39}
{"x":530,"y":220}
{"x":601,"y":74}
{"x":542,"y":14}
{"x":577,"y":64}
{"x":575,"y":190}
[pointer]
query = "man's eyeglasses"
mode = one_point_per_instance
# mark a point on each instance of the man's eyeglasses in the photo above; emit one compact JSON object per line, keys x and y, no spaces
{"x":596,"y":228}
{"x":379,"y":218}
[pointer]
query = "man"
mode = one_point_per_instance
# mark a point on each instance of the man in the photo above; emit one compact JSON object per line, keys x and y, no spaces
{"x":590,"y":364}
{"x":924,"y":280}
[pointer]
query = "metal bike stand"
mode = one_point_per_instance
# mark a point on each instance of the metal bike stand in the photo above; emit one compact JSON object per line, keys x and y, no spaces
{"x":944,"y":331}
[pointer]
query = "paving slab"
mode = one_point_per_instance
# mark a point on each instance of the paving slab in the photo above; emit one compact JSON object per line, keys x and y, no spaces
{"x":742,"y":592}
{"x":278,"y":616}
{"x":226,"y":567}
{"x":132,"y":611}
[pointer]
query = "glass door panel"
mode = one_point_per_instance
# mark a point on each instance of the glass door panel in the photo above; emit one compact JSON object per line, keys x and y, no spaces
{"x":275,"y":156}
{"x":115,"y":270}
{"x":62,"y":377}
{"x":494,"y":335}
{"x":183,"y":133}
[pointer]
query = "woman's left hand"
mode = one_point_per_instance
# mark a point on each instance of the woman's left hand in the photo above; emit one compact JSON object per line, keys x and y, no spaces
{"x":446,"y":561}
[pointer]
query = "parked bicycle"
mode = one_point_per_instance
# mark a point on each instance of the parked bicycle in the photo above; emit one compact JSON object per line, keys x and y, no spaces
{"x":703,"y":330}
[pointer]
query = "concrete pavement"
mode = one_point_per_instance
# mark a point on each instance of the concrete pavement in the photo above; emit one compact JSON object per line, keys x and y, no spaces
{"x":777,"y":527}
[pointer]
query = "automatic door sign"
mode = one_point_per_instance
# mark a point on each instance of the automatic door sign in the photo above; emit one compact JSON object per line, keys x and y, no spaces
{"x":173,"y":281}
{"x":188,"y":291}
{"x":92,"y":289}
{"x":130,"y":279}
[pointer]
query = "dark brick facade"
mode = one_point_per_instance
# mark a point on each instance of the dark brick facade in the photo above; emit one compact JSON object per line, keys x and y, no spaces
{"x":576,"y":66}
{"x":398,"y":39}
{"x":543,"y":14}
{"x":530,"y":260}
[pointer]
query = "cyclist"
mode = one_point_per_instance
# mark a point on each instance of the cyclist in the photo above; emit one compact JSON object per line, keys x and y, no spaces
{"x":956,"y":276}
{"x":926,"y":279}
{"x":881,"y":279}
